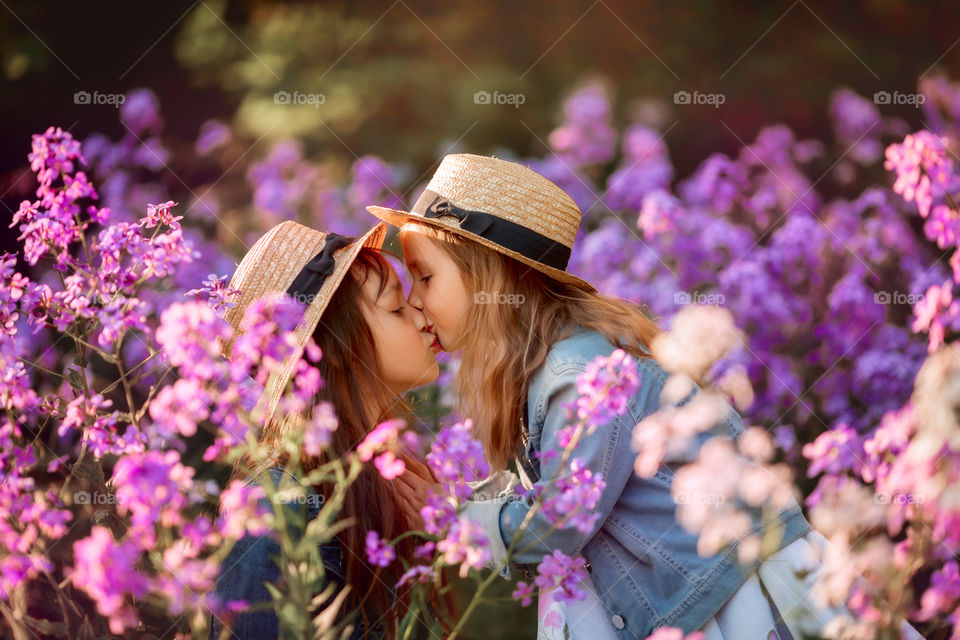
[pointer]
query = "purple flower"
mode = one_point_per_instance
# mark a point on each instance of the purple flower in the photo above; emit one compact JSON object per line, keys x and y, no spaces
{"x":605,"y":387}
{"x":190,"y":334}
{"x":213,"y":135}
{"x":107,"y":571}
{"x":857,"y":124}
{"x":455,"y":457}
{"x":140,"y":112}
{"x":159,"y":214}
{"x":152,"y":487}
{"x":379,"y":551}
{"x":220,"y":295}
{"x":523,"y":593}
{"x":563,"y":574}
{"x":417,"y":573}
{"x":318,"y":431}
{"x":383,"y":442}
{"x":942,"y":594}
{"x":242,"y":510}
{"x":834,"y":451}
{"x":266,"y":341}
{"x":586,"y":136}
{"x":438,"y":513}
{"x":180,"y":406}
{"x":465,"y":544}
{"x":572,"y":498}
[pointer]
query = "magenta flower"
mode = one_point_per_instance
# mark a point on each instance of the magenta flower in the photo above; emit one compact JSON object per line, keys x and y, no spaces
{"x":935,"y":312}
{"x":152,"y":488}
{"x":605,"y":387}
{"x":418,"y":573}
{"x":572,"y":499}
{"x":180,"y":406}
{"x":107,"y":571}
{"x":242,"y":510}
{"x":523,"y":593}
{"x":923,"y":167}
{"x":383,"y":442}
{"x":189,"y":334}
{"x":318,"y":431}
{"x":455,"y":457}
{"x":159,"y":215}
{"x":465,"y":544}
{"x":834,"y":451}
{"x":219,"y":294}
{"x":379,"y":551}
{"x":439,"y":513}
{"x":563,"y":574}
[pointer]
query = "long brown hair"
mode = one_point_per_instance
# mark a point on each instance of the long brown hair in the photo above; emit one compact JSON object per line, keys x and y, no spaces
{"x":350,"y":370}
{"x":509,"y":342}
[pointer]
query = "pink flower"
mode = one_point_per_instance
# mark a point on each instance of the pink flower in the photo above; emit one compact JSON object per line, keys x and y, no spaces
{"x":605,"y":388}
{"x":523,"y":593}
{"x":106,"y":570}
{"x":563,"y":575}
{"x":241,"y":511}
{"x":466,"y":545}
{"x":553,"y":619}
{"x":383,"y":442}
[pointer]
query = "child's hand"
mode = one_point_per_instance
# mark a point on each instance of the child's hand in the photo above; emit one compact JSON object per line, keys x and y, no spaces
{"x":412,"y":487}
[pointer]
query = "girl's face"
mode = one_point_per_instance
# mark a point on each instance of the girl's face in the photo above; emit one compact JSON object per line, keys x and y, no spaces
{"x":403,"y":344}
{"x":438,"y":288}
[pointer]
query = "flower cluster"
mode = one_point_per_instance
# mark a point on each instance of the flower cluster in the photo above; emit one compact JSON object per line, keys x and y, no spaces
{"x":605,"y":388}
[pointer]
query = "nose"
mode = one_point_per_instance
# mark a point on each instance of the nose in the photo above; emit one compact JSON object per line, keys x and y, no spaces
{"x":413,"y":298}
{"x":419,"y":320}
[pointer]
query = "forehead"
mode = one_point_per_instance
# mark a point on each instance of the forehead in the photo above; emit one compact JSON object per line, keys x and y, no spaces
{"x":418,"y":247}
{"x":372,"y":285}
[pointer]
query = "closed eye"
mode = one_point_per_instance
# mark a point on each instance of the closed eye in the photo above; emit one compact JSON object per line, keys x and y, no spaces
{"x":398,"y":311}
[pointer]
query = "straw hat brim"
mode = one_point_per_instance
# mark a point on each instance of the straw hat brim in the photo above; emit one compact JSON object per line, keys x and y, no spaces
{"x":314,"y":311}
{"x":398,"y":218}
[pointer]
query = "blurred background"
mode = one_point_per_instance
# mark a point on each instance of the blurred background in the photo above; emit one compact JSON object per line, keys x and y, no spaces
{"x":398,"y":80}
{"x":251,"y":112}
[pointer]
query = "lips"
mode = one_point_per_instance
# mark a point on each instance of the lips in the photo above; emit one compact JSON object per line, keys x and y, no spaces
{"x":435,"y":345}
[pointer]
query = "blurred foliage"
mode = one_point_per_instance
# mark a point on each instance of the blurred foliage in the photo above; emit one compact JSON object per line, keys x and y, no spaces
{"x":399,"y":78}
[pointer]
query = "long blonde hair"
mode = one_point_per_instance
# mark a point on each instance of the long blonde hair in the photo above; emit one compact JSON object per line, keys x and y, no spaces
{"x":509,"y":341}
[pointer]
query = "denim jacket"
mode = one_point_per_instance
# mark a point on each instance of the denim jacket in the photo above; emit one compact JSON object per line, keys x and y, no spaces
{"x":643,"y":564}
{"x":250,"y":564}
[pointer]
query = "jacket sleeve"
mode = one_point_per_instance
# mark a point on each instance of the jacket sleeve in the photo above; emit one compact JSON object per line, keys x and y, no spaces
{"x":251,"y":563}
{"x":243,"y":573}
{"x":606,"y":451}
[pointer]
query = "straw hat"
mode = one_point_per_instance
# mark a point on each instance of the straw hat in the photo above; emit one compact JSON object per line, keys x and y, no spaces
{"x":502,"y":205}
{"x":290,"y":254}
